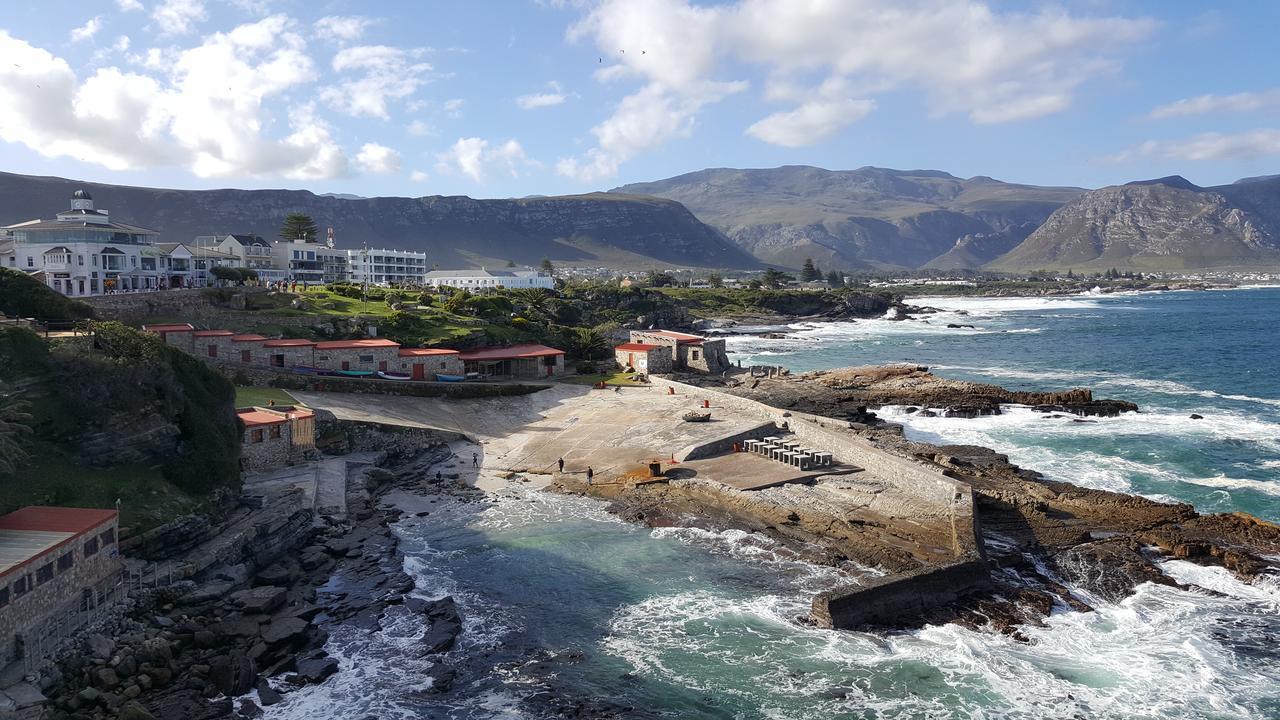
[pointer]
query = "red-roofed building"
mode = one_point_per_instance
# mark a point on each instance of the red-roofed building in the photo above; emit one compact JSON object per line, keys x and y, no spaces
{"x":688,"y":352}
{"x":176,"y":334}
{"x":58,"y":568}
{"x":643,"y":358}
{"x":275,"y":436}
{"x":519,"y":361}
{"x":426,"y":363}
{"x":369,"y":354}
{"x":288,"y":352}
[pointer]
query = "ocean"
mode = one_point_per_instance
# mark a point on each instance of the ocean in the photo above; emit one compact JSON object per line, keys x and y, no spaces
{"x":695,"y":624}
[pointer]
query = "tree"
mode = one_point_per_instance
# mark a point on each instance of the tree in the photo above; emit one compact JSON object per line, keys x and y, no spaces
{"x":810,"y":272}
{"x":547,"y":267}
{"x":299,"y":227}
{"x":775,"y":279}
{"x":535,"y":299}
{"x":660,"y":279}
{"x":587,"y":344}
{"x":715,"y":280}
{"x":1071,"y":274}
{"x":14,"y":423}
{"x":426,"y":298}
{"x":224,"y":273}
{"x":511,"y":263}
{"x":835,"y":279}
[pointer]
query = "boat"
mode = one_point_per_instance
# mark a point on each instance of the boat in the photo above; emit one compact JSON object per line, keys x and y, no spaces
{"x":393,"y":376}
{"x":303,"y":370}
{"x":450,"y":378}
{"x":692,"y":416}
{"x":355,"y":373}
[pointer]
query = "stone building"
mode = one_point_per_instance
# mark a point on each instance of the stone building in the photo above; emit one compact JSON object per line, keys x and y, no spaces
{"x":688,"y":352}
{"x":516,"y":361}
{"x":59,"y":569}
{"x":288,"y":352}
{"x":247,"y":350}
{"x":212,"y":344}
{"x":371,"y":354}
{"x":426,"y":363}
{"x":643,"y":357}
{"x":176,"y":334}
{"x":275,"y":437}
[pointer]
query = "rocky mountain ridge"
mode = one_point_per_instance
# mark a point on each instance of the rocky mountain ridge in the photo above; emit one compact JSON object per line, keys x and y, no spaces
{"x":595,"y":229}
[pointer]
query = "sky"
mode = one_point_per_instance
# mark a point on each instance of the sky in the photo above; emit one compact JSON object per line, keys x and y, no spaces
{"x":508,"y":98}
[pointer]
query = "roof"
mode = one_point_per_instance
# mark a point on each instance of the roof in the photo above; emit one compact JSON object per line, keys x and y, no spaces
{"x":250,"y":240}
{"x":677,"y":336}
{"x":510,"y":353}
{"x":483,"y":273}
{"x":60,"y":249}
{"x":637,"y":347}
{"x":55,"y":519}
{"x":357,"y":344}
{"x":63,"y":224}
{"x":420,"y":352}
{"x":253,"y":417}
{"x":288,"y":342}
{"x":169,"y":327}
{"x":212,"y":333}
{"x":248,"y":338}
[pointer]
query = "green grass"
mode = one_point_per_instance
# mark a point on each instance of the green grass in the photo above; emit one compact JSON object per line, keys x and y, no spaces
{"x":147,"y":499}
{"x":619,"y":378}
{"x":262,"y":396}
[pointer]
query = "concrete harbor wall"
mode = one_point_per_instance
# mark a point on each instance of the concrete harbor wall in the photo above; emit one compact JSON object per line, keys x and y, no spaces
{"x":930,"y":491}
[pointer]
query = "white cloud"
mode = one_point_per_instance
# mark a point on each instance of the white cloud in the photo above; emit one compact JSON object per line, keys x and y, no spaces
{"x":532,"y":101}
{"x":963,"y":56}
{"x":454,"y":107}
{"x":343,"y":27}
{"x":178,"y":17}
{"x":121,"y":44}
{"x":129,"y":5}
{"x":379,"y":159}
{"x":811,"y":123}
{"x":383,"y":74}
{"x":1239,"y":102}
{"x":475,"y":158}
{"x":206,"y":111}
{"x":1208,"y":146}
{"x":87,"y":30}
{"x":419,"y":176}
{"x":420,"y":129}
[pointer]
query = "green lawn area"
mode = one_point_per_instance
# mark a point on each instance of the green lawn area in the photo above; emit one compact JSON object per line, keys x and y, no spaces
{"x":146,"y":498}
{"x":262,"y":396}
{"x":618,"y":378}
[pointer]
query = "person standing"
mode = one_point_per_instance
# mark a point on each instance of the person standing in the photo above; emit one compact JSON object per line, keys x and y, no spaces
{"x":475,"y":460}
{"x":560,"y":462}
{"x":590,"y":474}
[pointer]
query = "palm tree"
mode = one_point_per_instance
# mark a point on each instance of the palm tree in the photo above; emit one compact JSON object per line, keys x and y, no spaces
{"x":14,"y":420}
{"x":536,"y":299}
{"x":587,"y":344}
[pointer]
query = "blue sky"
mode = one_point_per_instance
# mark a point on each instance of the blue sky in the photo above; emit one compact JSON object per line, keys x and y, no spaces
{"x":520,"y":97}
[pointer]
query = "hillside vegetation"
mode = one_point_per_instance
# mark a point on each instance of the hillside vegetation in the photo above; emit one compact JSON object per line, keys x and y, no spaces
{"x":25,"y":297}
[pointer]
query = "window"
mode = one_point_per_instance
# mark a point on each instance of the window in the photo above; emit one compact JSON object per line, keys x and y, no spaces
{"x":255,"y":436}
{"x":4,"y":596}
{"x":91,"y":547}
{"x":366,"y":358}
{"x":31,"y":262}
{"x":695,"y":354}
{"x":274,"y":432}
{"x":246,"y":356}
{"x":107,"y":537}
{"x":44,"y":573}
{"x":65,"y":562}
{"x":22,"y":586}
{"x":80,"y":260}
{"x":213,"y":351}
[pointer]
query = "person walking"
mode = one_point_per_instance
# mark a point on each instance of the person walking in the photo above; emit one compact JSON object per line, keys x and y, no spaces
{"x":590,"y":474}
{"x":560,"y":462}
{"x":475,"y":460}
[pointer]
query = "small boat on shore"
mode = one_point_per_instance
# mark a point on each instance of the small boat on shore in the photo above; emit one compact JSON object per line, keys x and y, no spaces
{"x":393,"y":376}
{"x":693,"y":416}
{"x":450,"y":378}
{"x":355,"y":373}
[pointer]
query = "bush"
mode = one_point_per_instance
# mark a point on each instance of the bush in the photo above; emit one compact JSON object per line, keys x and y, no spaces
{"x":23,"y":296}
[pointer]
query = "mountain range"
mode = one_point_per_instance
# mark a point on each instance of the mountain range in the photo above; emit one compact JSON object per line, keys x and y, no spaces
{"x":869,"y":218}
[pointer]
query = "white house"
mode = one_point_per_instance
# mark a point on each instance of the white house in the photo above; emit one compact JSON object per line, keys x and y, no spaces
{"x":387,"y":267}
{"x":482,"y":280}
{"x":310,"y":262}
{"x":83,"y":252}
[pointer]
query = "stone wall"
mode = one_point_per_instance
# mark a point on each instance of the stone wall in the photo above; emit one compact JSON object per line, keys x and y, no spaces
{"x":294,"y":355}
{"x":891,"y":599}
{"x":25,"y":614}
{"x":450,"y":364}
{"x":260,"y":451}
{"x":374,"y":386}
{"x":371,"y":359}
{"x":657,"y":360}
{"x":708,"y":357}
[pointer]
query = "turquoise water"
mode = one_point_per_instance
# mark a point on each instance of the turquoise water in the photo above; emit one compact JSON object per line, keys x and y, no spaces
{"x":695,"y":624}
{"x":1215,"y":354}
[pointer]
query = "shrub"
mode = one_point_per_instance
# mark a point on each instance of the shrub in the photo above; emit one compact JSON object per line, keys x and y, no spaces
{"x":23,"y":296}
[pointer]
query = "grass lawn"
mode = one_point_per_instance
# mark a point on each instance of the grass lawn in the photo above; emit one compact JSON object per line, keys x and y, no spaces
{"x":261,"y":396}
{"x":618,"y":378}
{"x":147,"y":499}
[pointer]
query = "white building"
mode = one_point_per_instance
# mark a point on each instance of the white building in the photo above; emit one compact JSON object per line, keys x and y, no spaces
{"x":387,"y":267}
{"x":482,"y":279}
{"x":83,"y":252}
{"x":310,"y":262}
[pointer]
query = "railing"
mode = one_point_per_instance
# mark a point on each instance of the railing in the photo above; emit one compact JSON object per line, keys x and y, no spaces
{"x":66,"y":620}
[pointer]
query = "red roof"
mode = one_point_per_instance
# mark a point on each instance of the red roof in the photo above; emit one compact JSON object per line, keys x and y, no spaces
{"x":168,"y":328}
{"x":638,"y":347}
{"x":43,"y":518}
{"x":511,"y":353}
{"x":355,"y":344}
{"x":678,"y":336}
{"x":287,"y":342}
{"x":212,"y":333}
{"x":420,"y":352}
{"x":253,"y":417}
{"x":248,"y":338}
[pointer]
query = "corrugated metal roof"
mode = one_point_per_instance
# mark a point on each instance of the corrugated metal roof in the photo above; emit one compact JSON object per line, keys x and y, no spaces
{"x":511,"y":353}
{"x":19,"y":546}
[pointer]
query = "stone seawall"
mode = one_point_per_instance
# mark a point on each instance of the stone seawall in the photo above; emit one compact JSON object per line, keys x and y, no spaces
{"x":258,"y":376}
{"x":943,"y":497}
